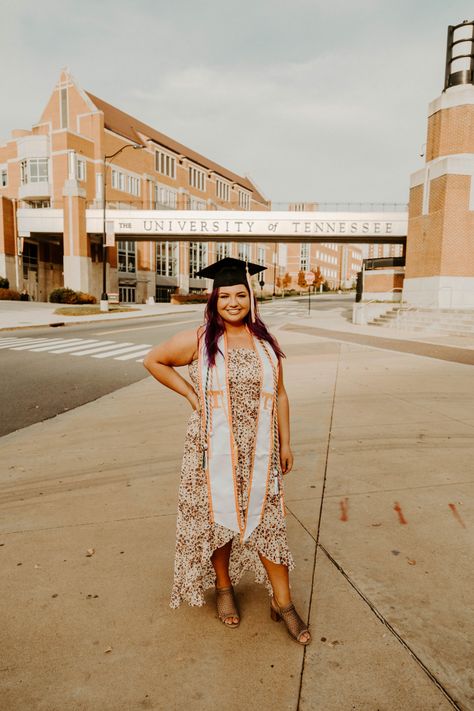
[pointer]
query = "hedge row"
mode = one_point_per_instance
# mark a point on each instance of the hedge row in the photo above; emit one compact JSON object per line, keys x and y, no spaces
{"x":9,"y":294}
{"x":64,"y":295}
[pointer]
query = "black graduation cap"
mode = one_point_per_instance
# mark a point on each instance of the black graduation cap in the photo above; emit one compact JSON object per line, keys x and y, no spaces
{"x":229,"y":271}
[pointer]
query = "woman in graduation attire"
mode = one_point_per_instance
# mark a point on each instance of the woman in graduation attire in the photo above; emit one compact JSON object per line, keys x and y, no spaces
{"x":231,"y":512}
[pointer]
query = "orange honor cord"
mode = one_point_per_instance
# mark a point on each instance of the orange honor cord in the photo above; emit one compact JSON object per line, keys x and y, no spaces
{"x":205,"y":429}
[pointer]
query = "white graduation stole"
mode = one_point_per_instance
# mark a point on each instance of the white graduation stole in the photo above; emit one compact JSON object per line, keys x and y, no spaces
{"x":220,"y":450}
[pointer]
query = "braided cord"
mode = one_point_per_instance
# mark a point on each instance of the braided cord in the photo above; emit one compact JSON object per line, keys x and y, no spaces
{"x":276,"y":440}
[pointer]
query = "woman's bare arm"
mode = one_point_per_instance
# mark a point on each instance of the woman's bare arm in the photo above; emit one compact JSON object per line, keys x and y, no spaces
{"x":162,"y":360}
{"x":286,"y":455}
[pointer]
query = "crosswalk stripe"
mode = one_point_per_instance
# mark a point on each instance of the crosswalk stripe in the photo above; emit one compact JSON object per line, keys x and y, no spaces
{"x":17,"y":341}
{"x":129,"y":356}
{"x":5,"y":342}
{"x":118,"y":351}
{"x":97,"y":349}
{"x":86,"y":343}
{"x":52,"y":345}
{"x":36,"y":344}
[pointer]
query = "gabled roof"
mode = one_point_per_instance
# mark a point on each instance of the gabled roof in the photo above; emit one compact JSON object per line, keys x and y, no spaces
{"x":129,"y":127}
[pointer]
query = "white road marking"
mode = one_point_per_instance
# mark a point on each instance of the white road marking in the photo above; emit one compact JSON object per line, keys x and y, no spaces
{"x":54,"y":342}
{"x":18,"y":341}
{"x":143,"y":328}
{"x":122,"y":350}
{"x":111,"y":346}
{"x":129,"y":356}
{"x":68,"y":344}
{"x":82,"y":346}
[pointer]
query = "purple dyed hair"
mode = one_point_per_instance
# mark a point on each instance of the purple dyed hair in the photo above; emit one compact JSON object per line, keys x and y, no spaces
{"x":215,"y":328}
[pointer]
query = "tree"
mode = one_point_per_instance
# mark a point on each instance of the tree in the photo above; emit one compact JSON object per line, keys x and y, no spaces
{"x":286,"y":281}
{"x":301,"y":280}
{"x":318,"y":277}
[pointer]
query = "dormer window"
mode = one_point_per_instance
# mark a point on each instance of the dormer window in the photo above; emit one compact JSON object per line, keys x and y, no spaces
{"x":34,"y":170}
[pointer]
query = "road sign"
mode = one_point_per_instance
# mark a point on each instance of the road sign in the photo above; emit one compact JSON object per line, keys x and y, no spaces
{"x":309,"y":278}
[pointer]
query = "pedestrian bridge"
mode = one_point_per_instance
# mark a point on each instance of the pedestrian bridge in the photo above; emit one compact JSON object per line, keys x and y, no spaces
{"x":222,"y":226}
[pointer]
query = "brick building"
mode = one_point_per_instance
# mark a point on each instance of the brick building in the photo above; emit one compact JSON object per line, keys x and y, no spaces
{"x":58,"y":165}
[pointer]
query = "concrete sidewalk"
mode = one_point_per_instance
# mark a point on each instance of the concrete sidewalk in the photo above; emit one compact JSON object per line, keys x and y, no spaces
{"x":27,"y":314}
{"x":384,"y":564}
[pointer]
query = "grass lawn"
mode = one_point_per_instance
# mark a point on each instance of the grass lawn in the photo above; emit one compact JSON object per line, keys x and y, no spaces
{"x":89,"y":309}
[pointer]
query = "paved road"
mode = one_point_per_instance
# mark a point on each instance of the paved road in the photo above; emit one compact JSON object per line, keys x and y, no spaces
{"x":52,"y":370}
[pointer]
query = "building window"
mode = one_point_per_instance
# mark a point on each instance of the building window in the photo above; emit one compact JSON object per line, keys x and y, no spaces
{"x":133,"y":185}
{"x":197,"y":178}
{"x":64,"y":110}
{"x":166,"y":260}
{"x":29,"y":258}
{"x":126,"y":257}
{"x":3,"y":178}
{"x":125,"y":183}
{"x":244,"y":251}
{"x":165,"y":164}
{"x":80,"y":169}
{"x":244,"y":200}
{"x":165,"y":197}
{"x":304,"y":257}
{"x":39,"y":204}
{"x":261,"y":256}
{"x":222,"y":250}
{"x":222,"y":190}
{"x":127,"y":294}
{"x":34,"y":170}
{"x":196,"y":204}
{"x":197,"y":257}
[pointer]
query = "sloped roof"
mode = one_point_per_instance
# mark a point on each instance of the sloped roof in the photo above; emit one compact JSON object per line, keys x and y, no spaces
{"x":129,"y":127}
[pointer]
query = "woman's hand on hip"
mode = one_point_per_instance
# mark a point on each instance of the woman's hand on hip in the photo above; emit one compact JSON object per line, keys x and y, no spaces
{"x":193,"y":399}
{"x":286,"y":458}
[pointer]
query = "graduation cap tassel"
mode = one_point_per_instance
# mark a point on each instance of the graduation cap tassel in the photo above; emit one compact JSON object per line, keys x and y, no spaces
{"x":252,"y":298}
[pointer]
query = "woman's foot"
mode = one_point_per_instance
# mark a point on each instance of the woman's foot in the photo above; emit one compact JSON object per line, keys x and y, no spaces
{"x":295,"y":626}
{"x":226,"y":606}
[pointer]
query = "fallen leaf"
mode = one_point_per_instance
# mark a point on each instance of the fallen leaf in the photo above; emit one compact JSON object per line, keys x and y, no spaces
{"x":106,"y":651}
{"x":90,"y":552}
{"x":411,"y":561}
{"x":375,"y":524}
{"x":395,"y":552}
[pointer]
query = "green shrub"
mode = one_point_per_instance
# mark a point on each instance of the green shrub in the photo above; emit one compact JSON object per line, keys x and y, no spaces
{"x":83,"y":298}
{"x":63,"y":295}
{"x":9,"y":294}
{"x":189,"y":298}
{"x":4,"y":283}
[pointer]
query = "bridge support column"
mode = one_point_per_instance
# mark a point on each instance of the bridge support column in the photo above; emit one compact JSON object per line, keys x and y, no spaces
{"x":440,"y":241}
{"x":77,"y":263}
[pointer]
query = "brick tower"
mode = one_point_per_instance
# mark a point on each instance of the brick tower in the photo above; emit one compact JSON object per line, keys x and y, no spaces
{"x":440,"y":242}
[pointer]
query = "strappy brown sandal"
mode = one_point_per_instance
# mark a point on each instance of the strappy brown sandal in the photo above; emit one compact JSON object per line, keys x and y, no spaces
{"x":294,"y":624}
{"x":226,"y":606}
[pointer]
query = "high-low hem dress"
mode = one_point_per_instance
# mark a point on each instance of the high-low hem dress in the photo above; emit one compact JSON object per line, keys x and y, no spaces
{"x":197,"y":537}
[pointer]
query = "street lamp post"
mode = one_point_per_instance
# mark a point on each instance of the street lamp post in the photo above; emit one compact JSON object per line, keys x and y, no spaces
{"x":104,"y":299}
{"x":274,"y":267}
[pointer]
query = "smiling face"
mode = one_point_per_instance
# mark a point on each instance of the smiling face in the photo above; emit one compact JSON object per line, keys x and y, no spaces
{"x":233,"y":303}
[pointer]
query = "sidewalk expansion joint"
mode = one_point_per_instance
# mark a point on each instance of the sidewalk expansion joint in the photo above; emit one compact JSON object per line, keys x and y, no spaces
{"x":88,"y":523}
{"x":391,"y":629}
{"x":318,"y":527}
{"x":416,"y":348}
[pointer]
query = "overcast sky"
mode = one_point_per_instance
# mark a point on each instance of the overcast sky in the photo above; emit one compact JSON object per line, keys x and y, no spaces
{"x":321,"y":101}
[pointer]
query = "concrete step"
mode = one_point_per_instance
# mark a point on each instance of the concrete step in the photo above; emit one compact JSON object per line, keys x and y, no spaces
{"x":455,"y":322}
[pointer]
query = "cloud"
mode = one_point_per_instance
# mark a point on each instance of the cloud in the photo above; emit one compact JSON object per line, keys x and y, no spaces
{"x":315,"y":100}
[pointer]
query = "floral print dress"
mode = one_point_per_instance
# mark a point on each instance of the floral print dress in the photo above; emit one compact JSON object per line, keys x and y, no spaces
{"x":196,"y":535}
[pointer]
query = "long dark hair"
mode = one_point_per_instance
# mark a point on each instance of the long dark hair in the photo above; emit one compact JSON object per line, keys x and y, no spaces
{"x":215,"y":328}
